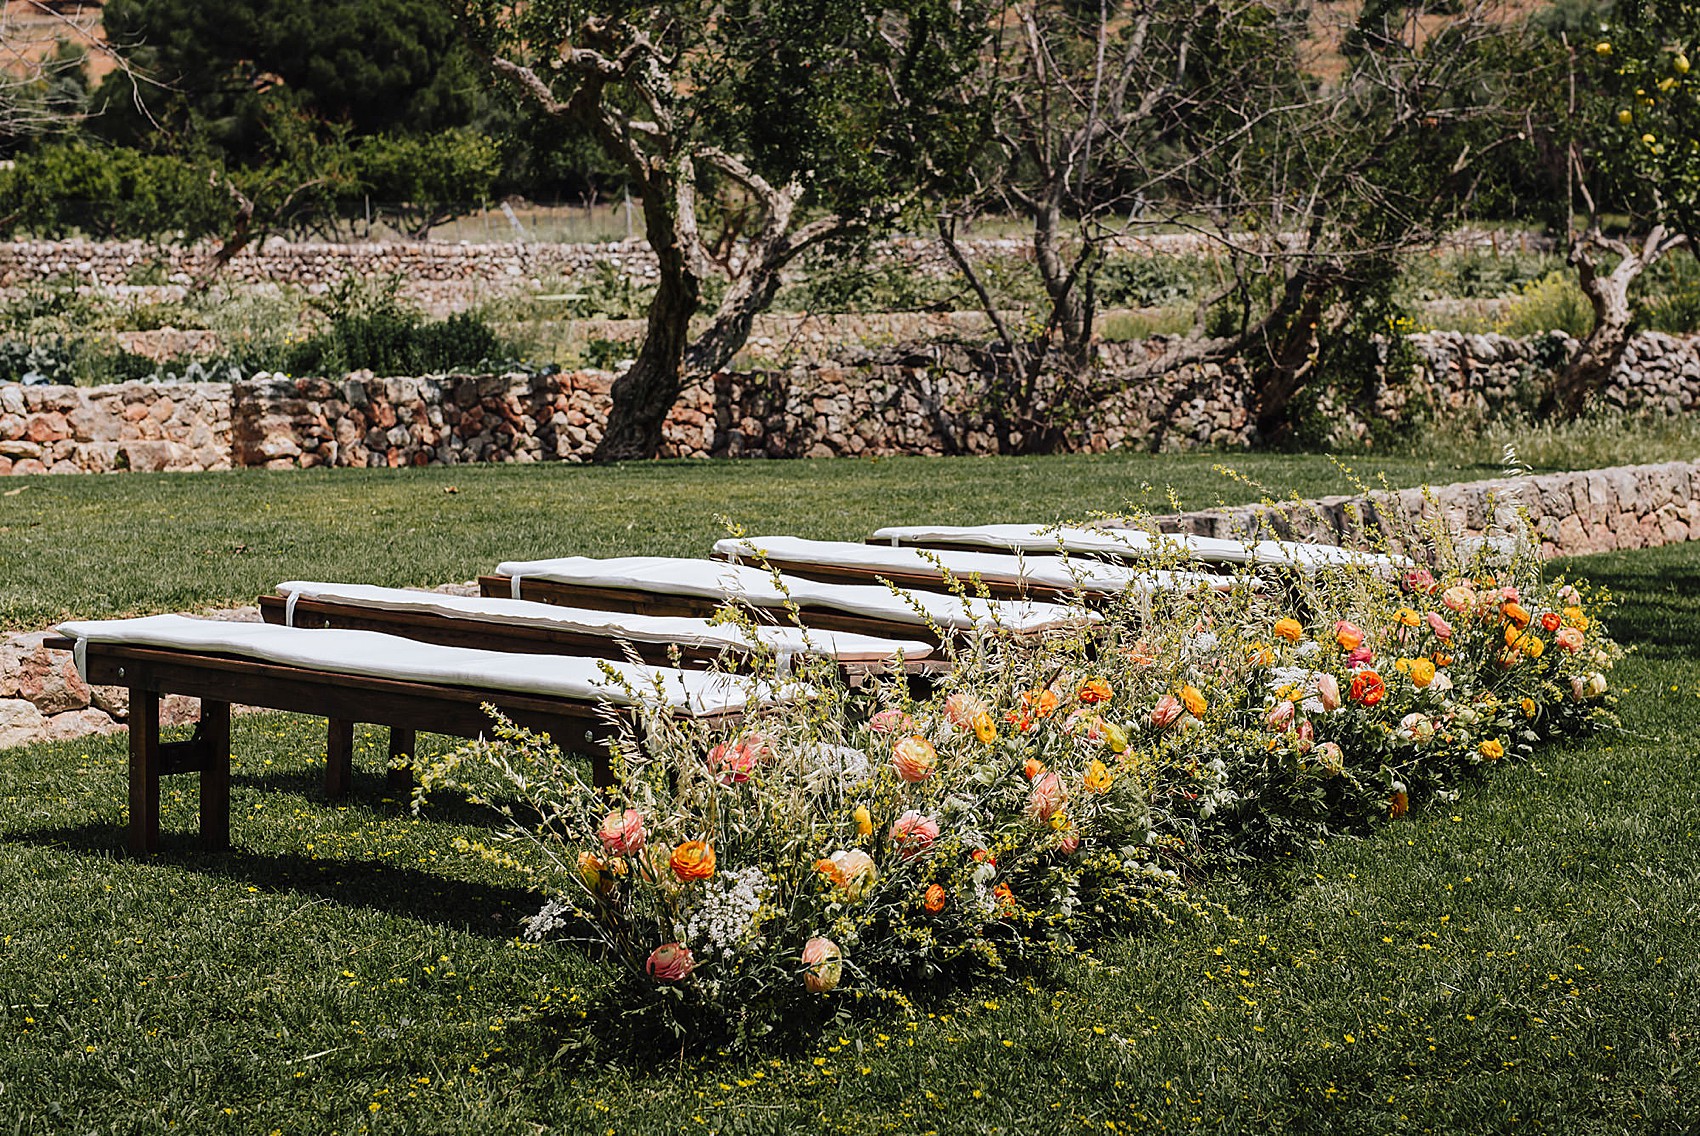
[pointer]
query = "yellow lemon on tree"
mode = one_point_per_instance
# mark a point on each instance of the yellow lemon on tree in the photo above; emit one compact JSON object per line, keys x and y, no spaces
{"x":1625,"y":117}
{"x":1602,"y":48}
{"x":1680,"y":64}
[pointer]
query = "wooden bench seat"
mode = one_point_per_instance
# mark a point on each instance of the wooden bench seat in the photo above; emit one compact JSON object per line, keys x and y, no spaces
{"x":330,"y":674}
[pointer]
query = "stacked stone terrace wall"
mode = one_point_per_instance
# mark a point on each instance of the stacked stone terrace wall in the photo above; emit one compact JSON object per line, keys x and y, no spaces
{"x":925,"y":398}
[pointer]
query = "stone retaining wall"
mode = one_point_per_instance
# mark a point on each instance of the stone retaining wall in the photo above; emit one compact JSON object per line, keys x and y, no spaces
{"x":43,"y":699}
{"x":925,"y":398}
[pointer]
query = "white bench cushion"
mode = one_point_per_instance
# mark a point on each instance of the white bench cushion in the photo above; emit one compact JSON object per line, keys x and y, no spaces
{"x":1068,"y":574}
{"x":1135,"y":543}
{"x":841,"y":645}
{"x":717,"y":580}
{"x":376,"y":655}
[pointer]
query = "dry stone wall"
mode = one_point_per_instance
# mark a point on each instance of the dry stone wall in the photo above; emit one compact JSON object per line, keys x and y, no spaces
{"x":926,"y":398}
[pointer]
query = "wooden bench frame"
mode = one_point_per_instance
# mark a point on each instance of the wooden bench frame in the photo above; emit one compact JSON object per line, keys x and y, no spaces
{"x":220,"y":680}
{"x":529,"y":639}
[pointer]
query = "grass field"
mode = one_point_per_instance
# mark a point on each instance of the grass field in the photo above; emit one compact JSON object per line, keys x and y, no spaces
{"x":1526,"y":957}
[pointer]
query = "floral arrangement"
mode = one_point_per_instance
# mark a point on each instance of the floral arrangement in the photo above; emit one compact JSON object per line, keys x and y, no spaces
{"x":869,"y":841}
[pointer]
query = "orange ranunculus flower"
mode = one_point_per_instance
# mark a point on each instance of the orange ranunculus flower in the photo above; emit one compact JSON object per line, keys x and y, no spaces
{"x":1441,"y":659}
{"x":1422,"y":673}
{"x":1260,"y":656}
{"x":1569,"y":638}
{"x":1515,"y":636}
{"x":1039,"y":701}
{"x":1032,"y":767}
{"x":1516,"y":613}
{"x":1398,"y":804}
{"x":1098,"y":779}
{"x":1491,"y":749}
{"x":693,"y":860}
{"x":864,"y":820}
{"x":591,"y":869}
{"x":1193,"y":701}
{"x":1095,"y":690}
{"x":1005,"y":897}
{"x":1289,"y":629}
{"x":1551,"y":621}
{"x":1405,"y":617}
{"x":1349,"y":635}
{"x":985,"y":728}
{"x":933,"y":901}
{"x":1367,"y":688}
{"x":1529,"y":707}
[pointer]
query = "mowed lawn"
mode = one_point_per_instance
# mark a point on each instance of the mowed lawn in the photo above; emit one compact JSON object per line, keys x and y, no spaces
{"x":129,"y":544}
{"x":1523,"y":958}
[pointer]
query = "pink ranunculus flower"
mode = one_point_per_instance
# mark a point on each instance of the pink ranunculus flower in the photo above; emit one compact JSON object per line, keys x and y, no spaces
{"x":1578,"y":687}
{"x":621,"y":832}
{"x":1046,"y":798}
{"x":914,"y":833}
{"x":733,"y":762}
{"x":1280,"y":715}
{"x":1418,"y":580}
{"x":1328,"y":692}
{"x":1509,"y":594}
{"x":1305,"y":735}
{"x":824,"y":965}
{"x":1416,"y":727}
{"x":890,"y":722}
{"x":1569,"y":595}
{"x":670,"y":962}
{"x":1361,"y":656}
{"x":913,"y":758}
{"x":1166,"y":712}
{"x":961,"y":708}
{"x":1459,"y":597}
{"x":1069,"y":843}
{"x":1569,"y":638}
{"x":1437,"y":624}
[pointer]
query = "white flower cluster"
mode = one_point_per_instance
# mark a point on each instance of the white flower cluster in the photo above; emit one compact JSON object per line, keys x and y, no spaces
{"x":723,"y":918}
{"x":552,"y":917}
{"x":835,"y":768}
{"x":1299,"y":679}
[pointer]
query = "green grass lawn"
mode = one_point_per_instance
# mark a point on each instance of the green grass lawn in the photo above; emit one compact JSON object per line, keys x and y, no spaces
{"x":1526,"y":957}
{"x":100,"y":546}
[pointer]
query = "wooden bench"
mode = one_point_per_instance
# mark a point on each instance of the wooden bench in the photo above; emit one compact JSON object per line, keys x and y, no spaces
{"x":673,"y":586}
{"x":220,"y":678}
{"x":503,"y":624}
{"x":1004,"y":575}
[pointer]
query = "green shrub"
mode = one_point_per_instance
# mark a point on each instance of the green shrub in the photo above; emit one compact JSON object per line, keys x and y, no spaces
{"x":1148,"y":281}
{"x":370,"y":328}
{"x":1555,"y":302}
{"x":1671,"y":300}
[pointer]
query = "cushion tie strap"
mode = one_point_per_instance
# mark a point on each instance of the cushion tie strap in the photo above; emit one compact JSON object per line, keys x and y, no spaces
{"x":80,"y":656}
{"x":513,"y":583}
{"x":289,"y":609}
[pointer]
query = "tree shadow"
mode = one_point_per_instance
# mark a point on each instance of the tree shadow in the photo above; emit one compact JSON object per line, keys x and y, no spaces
{"x":1656,"y":589}
{"x":487,"y":910}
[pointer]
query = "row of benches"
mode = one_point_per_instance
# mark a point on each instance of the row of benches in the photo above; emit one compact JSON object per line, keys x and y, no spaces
{"x":550,"y":643}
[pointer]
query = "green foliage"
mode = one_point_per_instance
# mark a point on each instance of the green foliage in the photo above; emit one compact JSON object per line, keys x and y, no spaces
{"x":1155,"y":281}
{"x":1474,"y":274}
{"x":71,"y":187}
{"x":225,"y":68}
{"x":1671,"y":296}
{"x":369,"y":328}
{"x":429,"y":178}
{"x":1555,"y":302}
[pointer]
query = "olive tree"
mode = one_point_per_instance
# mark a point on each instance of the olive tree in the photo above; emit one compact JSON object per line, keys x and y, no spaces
{"x":752,"y":131}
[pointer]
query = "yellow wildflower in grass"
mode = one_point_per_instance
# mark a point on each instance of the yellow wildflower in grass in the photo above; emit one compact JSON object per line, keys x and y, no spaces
{"x":1193,"y":700}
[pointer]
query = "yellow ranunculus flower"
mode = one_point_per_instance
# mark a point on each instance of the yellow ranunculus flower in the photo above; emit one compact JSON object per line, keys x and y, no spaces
{"x":1574,"y":617}
{"x":1193,"y":700}
{"x":1405,"y":617}
{"x":1289,"y":629}
{"x":1491,"y":749}
{"x":1533,"y":647}
{"x":1422,"y":672}
{"x":985,"y":728}
{"x":1115,"y":736}
{"x":864,"y":821}
{"x":1528,"y":707}
{"x":1098,"y":779}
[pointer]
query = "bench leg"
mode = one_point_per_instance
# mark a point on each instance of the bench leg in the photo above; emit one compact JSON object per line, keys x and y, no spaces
{"x":143,"y":836}
{"x":402,"y":744}
{"x":215,"y":775}
{"x":339,"y":754}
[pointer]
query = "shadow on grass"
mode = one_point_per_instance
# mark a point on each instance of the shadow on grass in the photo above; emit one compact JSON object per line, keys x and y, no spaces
{"x":487,"y":910}
{"x":1655,"y":589}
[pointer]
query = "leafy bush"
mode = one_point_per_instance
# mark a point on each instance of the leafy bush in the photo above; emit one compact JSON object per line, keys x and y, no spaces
{"x":1671,"y":300}
{"x":369,"y":328}
{"x":1149,"y":281}
{"x":1555,"y":302}
{"x":844,"y":844}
